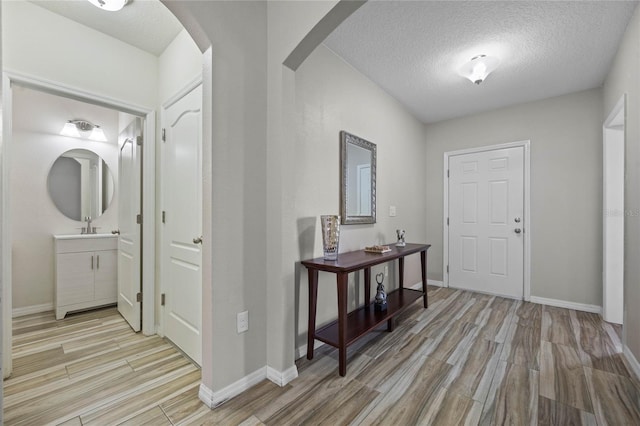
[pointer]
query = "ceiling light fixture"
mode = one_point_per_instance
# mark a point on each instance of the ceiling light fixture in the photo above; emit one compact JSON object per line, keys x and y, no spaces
{"x":73,"y":128}
{"x":479,"y":67}
{"x":110,"y":5}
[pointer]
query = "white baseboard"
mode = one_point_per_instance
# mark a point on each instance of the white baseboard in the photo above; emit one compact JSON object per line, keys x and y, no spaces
{"x":418,"y":285}
{"x":214,"y":399}
{"x":633,"y":362}
{"x":568,"y":305}
{"x":302,"y":350}
{"x":34,"y":309}
{"x":281,"y":378}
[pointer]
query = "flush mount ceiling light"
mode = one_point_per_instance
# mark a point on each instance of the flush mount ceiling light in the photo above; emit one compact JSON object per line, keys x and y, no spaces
{"x":479,"y":67}
{"x":73,"y":128}
{"x":110,"y":5}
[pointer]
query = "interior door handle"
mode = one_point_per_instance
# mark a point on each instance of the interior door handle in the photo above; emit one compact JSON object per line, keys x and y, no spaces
{"x":518,"y":230}
{"x":116,"y":232}
{"x":197,"y":240}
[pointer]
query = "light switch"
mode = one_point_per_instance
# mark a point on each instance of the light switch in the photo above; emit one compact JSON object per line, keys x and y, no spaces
{"x":392,"y":211}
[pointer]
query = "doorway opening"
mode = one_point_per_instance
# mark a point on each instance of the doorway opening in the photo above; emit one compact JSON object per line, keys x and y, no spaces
{"x":93,"y":104}
{"x":96,"y":81}
{"x":613,"y":218}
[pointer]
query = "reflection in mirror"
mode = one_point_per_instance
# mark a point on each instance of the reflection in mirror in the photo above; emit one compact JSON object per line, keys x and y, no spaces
{"x":357,"y":180}
{"x":80,"y":184}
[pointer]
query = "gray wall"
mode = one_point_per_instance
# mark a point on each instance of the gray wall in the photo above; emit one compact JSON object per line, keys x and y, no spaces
{"x":331,"y":96}
{"x":623,"y":78}
{"x":566,"y":187}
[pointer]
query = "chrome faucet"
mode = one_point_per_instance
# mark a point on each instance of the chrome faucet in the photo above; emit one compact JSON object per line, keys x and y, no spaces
{"x":88,"y":229}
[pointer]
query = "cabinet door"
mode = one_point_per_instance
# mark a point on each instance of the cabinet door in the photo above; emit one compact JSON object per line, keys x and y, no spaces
{"x":106,"y":284}
{"x":75,"y":278}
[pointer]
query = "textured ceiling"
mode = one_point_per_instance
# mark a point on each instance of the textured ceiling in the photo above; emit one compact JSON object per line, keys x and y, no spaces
{"x":146,"y":24}
{"x":413,"y":49}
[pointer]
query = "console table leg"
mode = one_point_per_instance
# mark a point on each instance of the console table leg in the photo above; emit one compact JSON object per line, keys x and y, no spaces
{"x":390,"y":325}
{"x":367,"y":288}
{"x":401,"y":272}
{"x":423,"y":264}
{"x":313,"y":302}
{"x":342,"y":321}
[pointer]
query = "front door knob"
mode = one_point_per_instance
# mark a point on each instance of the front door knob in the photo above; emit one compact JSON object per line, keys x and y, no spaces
{"x":116,"y":232}
{"x":518,"y":230}
{"x":197,"y":240}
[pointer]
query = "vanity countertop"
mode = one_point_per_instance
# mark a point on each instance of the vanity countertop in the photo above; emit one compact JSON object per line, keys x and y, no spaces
{"x":77,"y":236}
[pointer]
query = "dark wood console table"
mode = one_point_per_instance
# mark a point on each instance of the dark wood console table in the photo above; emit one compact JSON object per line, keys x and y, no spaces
{"x":349,"y":327}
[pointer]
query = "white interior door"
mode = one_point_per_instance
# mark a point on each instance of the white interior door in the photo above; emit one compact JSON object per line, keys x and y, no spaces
{"x":486,"y":208}
{"x":129,"y":207}
{"x":182,"y":200}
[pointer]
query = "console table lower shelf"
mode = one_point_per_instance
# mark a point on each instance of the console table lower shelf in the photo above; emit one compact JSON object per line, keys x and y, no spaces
{"x":366,"y":318}
{"x":350,"y":326}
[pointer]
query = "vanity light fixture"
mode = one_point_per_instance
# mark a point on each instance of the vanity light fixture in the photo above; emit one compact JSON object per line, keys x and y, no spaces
{"x":110,"y":5}
{"x":73,"y":128}
{"x":479,"y":67}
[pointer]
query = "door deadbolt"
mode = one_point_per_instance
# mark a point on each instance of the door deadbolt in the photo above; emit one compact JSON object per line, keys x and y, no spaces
{"x":517,"y":220}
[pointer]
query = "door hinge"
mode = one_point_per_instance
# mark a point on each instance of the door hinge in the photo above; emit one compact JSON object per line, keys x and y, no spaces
{"x":447,"y":269}
{"x":164,"y":135}
{"x":447,"y":221}
{"x":139,"y":219}
{"x":164,"y":216}
{"x":139,"y":140}
{"x":139,"y":297}
{"x":162,"y":299}
{"x":447,"y":172}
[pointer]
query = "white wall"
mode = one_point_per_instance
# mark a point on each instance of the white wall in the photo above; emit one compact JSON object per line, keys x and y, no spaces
{"x":566,"y":187}
{"x":332,"y":96}
{"x":34,"y":217}
{"x":179,"y":64}
{"x":623,"y":78}
{"x":45,"y":45}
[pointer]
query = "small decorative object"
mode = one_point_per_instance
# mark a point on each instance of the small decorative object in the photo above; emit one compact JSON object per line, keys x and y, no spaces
{"x":377,"y":249}
{"x":330,"y":236}
{"x":380,"y":303}
{"x":400,"y":234}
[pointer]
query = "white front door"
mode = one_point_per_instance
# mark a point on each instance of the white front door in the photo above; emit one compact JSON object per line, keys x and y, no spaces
{"x":182,"y":206}
{"x":129,"y":207}
{"x":486,"y":209}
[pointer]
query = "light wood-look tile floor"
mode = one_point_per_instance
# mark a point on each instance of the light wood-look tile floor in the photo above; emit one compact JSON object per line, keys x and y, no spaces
{"x":469,"y":359}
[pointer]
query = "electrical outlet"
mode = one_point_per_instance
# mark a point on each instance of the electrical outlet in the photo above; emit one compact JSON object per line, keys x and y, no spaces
{"x":392,"y":211}
{"x":386,"y":271}
{"x":242,"y":321}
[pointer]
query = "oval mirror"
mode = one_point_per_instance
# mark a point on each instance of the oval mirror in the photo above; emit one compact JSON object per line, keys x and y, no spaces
{"x":80,"y":184}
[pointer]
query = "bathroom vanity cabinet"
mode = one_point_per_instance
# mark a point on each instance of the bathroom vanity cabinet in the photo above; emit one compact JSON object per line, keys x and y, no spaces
{"x":86,"y":272}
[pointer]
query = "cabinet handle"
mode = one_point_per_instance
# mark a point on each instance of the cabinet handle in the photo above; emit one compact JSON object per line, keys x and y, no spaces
{"x":91,"y":262}
{"x":98,"y":267}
